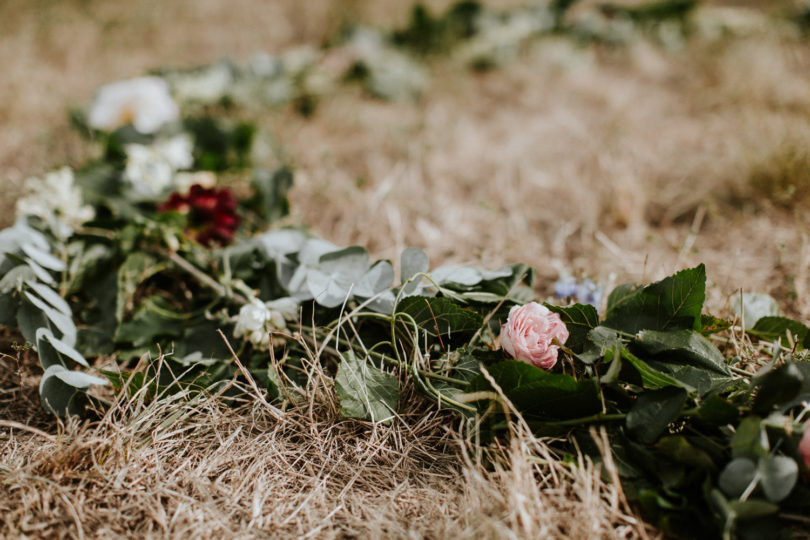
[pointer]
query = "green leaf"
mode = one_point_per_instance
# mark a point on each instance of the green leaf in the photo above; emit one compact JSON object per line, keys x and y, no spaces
{"x":62,"y":390}
{"x":29,"y":320}
{"x":152,"y":320}
{"x":534,"y":391}
{"x":777,"y":387}
{"x":270,"y":193}
{"x":712,"y":325}
{"x":674,"y":302}
{"x":619,"y":294}
{"x":749,"y":440}
{"x":653,"y":411}
{"x":752,"y":509}
{"x":365,"y":392}
{"x":686,"y":345}
{"x":52,"y":351}
{"x":737,"y":476}
{"x":777,"y":328}
{"x":56,"y":319}
{"x":413,"y":261}
{"x":778,"y":475}
{"x":652,"y":378}
{"x":43,"y":258}
{"x":580,"y":319}
{"x":440,"y":316}
{"x":718,"y":411}
{"x":378,"y":278}
{"x":51,"y":297}
{"x":136,"y":269}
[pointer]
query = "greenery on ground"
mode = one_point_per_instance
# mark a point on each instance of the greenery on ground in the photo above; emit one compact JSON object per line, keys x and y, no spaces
{"x":145,"y":256}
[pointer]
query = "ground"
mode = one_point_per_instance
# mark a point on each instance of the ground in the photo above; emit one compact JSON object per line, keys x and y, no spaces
{"x":619,"y":164}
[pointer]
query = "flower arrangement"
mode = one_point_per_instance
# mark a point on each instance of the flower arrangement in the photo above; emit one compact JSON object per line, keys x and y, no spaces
{"x":144,"y":254}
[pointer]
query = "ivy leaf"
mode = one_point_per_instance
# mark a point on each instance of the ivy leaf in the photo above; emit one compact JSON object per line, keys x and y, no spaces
{"x":538,"y":392}
{"x":653,"y":411}
{"x":440,"y":316}
{"x":365,"y":392}
{"x":674,"y":302}
{"x":580,"y":319}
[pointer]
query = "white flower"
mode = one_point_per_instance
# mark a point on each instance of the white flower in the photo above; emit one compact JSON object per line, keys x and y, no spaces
{"x":144,"y":102}
{"x":257,"y":319}
{"x":206,"y":85}
{"x":151,"y":169}
{"x":56,"y":200}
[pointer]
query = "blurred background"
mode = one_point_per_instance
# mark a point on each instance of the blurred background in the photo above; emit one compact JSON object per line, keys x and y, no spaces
{"x":601,"y":152}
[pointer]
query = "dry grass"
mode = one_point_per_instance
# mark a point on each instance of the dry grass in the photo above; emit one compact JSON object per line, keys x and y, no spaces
{"x":621,"y":164}
{"x":191,"y":465}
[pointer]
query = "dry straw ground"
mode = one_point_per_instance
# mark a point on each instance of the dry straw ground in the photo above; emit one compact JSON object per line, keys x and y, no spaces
{"x":619,"y":164}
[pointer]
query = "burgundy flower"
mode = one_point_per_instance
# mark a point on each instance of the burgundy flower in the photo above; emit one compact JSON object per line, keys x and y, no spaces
{"x":211,"y":212}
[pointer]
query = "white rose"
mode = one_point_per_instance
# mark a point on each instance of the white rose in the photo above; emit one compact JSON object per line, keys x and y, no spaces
{"x":144,"y":102}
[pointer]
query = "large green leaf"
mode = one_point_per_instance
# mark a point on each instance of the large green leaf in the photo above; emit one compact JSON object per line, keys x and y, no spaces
{"x":440,"y":316}
{"x":653,"y":411}
{"x":365,"y":392}
{"x":650,"y":377}
{"x":674,"y":302}
{"x":537,"y":392}
{"x":579,"y":319}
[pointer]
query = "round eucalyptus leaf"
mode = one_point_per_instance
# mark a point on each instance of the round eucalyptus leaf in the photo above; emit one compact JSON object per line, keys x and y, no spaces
{"x":378,"y":278}
{"x":779,"y":475}
{"x":412,"y":261}
{"x":45,"y":337}
{"x":59,"y":320}
{"x":325,"y":289}
{"x":737,"y":476}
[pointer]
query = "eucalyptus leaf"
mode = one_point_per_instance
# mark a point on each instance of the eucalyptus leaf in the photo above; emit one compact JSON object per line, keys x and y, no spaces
{"x":271,"y":188}
{"x":51,"y":297}
{"x":30,"y":319}
{"x":737,"y":476}
{"x":365,"y":392}
{"x":41,"y":274}
{"x":377,"y":279}
{"x":62,"y":390}
{"x":778,"y":475}
{"x":45,"y":337}
{"x":59,"y":320}
{"x":413,"y":261}
{"x":14,"y":278}
{"x":43,"y":258}
{"x":754,"y":306}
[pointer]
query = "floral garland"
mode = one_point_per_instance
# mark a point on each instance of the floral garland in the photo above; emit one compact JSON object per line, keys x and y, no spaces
{"x":140,"y":254}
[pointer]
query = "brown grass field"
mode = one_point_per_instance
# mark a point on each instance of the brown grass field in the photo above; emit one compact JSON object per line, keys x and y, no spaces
{"x":620,"y":164}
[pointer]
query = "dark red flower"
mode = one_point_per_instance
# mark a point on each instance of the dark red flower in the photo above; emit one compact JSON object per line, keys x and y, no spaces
{"x":211,"y":212}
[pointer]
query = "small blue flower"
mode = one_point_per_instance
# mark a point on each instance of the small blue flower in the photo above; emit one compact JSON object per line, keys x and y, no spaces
{"x":588,"y":292}
{"x":565,"y":287}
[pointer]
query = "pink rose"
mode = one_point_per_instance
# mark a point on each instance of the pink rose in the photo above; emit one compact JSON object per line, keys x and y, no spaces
{"x":529,"y":335}
{"x":804,"y":444}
